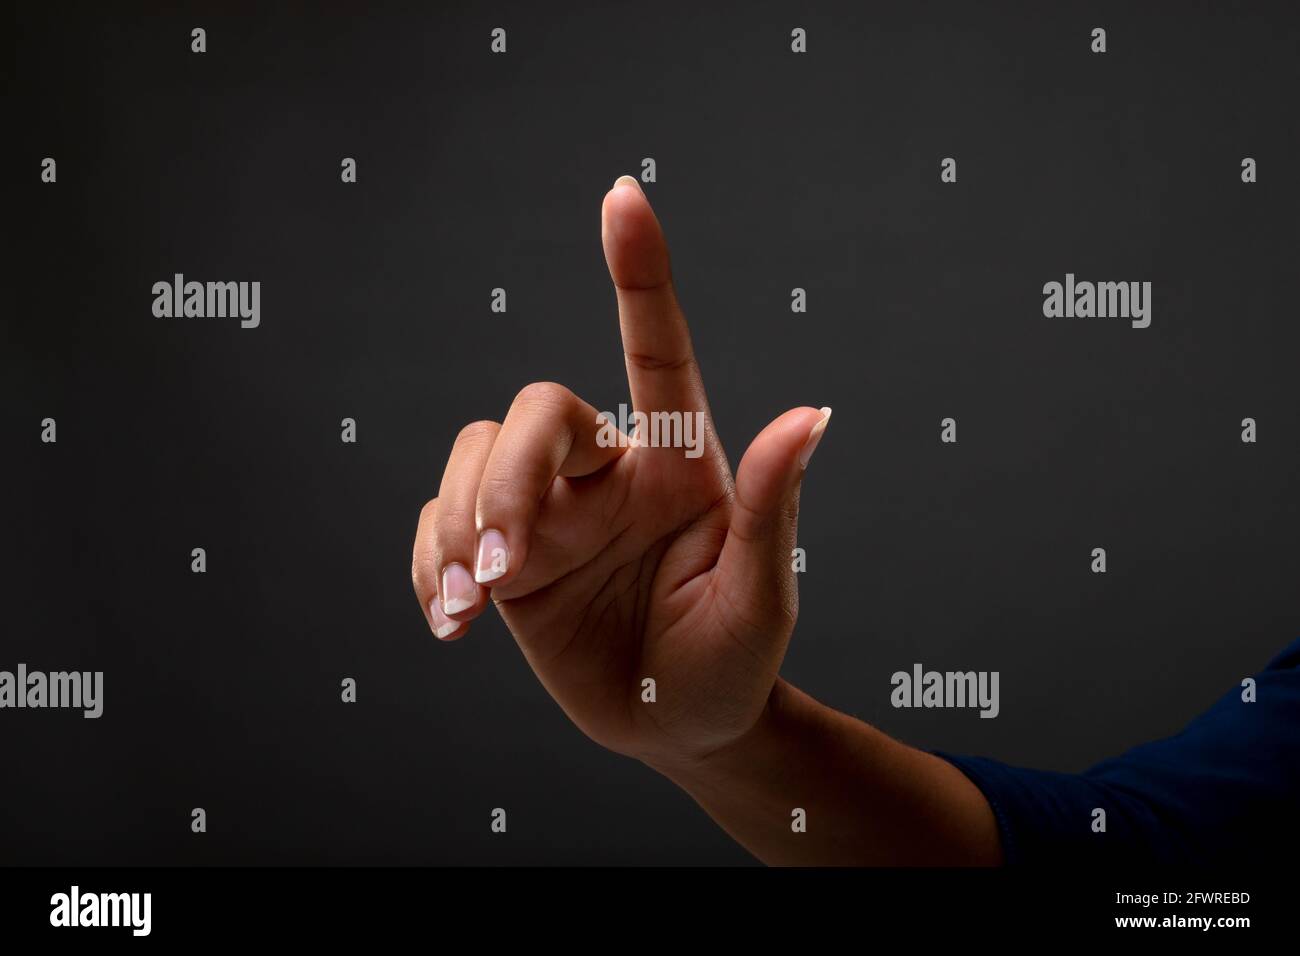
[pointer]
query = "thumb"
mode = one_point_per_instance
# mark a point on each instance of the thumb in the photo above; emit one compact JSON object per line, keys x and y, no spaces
{"x":753,"y":570}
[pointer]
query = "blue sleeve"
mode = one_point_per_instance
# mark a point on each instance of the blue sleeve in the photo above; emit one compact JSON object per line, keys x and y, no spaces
{"x":1227,"y":788}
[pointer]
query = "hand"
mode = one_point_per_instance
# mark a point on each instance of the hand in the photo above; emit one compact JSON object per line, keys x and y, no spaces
{"x":611,"y":565}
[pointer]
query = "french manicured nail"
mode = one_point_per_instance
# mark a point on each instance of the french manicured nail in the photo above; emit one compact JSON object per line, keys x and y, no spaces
{"x":493,"y":556}
{"x":459,"y":592}
{"x":629,"y":179}
{"x":443,"y":626}
{"x":814,"y":437}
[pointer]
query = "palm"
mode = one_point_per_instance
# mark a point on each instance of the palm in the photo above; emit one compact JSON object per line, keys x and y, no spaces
{"x":631,"y":599}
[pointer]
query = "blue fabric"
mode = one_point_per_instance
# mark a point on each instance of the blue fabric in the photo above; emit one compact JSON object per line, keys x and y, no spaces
{"x":1225,"y":789}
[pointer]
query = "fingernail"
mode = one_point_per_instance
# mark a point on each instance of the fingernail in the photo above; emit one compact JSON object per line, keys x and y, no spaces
{"x":459,"y":592}
{"x":630,"y":179}
{"x":443,"y":626}
{"x":493,"y":557}
{"x":814,"y":437}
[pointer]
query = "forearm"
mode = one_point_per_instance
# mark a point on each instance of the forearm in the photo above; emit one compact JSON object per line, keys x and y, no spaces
{"x":868,"y":799}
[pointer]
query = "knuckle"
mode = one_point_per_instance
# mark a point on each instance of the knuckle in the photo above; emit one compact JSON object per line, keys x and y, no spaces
{"x":423,"y":568}
{"x":498,"y":496}
{"x":424,"y":575}
{"x":476,"y":433}
{"x":543,"y":394}
{"x":453,"y":518}
{"x":646,"y":362}
{"x":426,"y":513}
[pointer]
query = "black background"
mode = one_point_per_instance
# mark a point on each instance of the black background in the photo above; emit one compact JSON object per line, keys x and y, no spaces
{"x":476,"y":171}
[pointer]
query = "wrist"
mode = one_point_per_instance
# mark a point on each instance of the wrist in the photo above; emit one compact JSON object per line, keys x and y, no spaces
{"x":745,"y":750}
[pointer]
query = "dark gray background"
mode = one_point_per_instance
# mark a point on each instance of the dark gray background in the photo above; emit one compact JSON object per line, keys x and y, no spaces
{"x":775,"y":171}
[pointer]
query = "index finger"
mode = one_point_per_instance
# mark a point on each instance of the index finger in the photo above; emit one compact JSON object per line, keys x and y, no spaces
{"x":661,"y":369}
